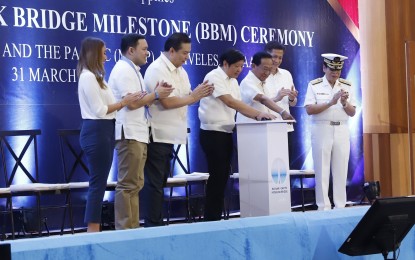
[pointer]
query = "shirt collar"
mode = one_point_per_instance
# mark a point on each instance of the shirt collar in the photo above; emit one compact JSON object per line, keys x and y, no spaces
{"x":276,"y":74}
{"x":326,"y":82}
{"x":255,"y":79}
{"x":222,"y":74}
{"x":166,"y":60}
{"x":130,"y":62}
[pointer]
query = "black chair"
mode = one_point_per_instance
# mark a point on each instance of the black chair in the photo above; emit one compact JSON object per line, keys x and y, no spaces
{"x":5,"y":193}
{"x":196,"y":181}
{"x":10,"y":142}
{"x":233,"y":181}
{"x":174,"y":183}
{"x":301,"y":174}
{"x":75,"y":170}
{"x":68,"y":148}
{"x":231,"y":192}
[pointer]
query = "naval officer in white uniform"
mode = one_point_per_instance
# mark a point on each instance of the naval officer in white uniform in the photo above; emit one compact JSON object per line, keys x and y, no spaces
{"x":330,"y":102}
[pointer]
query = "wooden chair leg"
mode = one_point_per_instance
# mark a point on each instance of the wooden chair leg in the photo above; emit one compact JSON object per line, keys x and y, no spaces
{"x":3,"y":229}
{"x":11,"y":216}
{"x":186,"y":188}
{"x":64,"y":215}
{"x":302,"y":192}
{"x":71,"y":213}
{"x":39,"y":214}
{"x":9,"y":211}
{"x":169,"y":205}
{"x":68,"y":205}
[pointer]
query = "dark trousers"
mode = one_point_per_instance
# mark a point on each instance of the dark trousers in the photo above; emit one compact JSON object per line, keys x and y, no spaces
{"x":217,"y":147}
{"x":97,"y":141}
{"x":156,"y":172}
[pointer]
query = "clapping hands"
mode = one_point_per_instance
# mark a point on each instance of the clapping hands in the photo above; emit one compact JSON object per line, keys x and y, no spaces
{"x":344,"y":95}
{"x":291,"y":93}
{"x":133,"y":97}
{"x":163,"y":89}
{"x":202,"y":90}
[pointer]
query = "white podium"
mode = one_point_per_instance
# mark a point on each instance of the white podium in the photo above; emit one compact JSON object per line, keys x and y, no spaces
{"x":264,"y":181}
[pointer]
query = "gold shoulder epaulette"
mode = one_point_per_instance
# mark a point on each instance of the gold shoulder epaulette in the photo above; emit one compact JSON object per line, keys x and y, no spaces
{"x":346,"y":82}
{"x":316,"y":81}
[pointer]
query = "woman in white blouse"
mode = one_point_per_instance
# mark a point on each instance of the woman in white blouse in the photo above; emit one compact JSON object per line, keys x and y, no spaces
{"x":98,"y":109}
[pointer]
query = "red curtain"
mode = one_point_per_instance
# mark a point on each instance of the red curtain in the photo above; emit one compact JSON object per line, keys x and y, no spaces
{"x":351,"y":8}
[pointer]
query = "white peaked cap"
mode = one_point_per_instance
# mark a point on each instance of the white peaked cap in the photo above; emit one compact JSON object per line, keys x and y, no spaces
{"x":334,"y":61}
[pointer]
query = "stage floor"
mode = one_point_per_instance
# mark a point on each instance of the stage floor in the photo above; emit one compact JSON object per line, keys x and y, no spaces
{"x":295,"y":235}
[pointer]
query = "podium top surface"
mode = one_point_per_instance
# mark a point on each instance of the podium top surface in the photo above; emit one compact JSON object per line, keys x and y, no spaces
{"x":264,"y":122}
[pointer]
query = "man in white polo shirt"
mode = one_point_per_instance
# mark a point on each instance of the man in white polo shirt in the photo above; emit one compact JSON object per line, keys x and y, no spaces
{"x":168,"y":119}
{"x":217,"y":122}
{"x":131,"y":128}
{"x":330,"y":102}
{"x":279,"y":84}
{"x":253,"y":90}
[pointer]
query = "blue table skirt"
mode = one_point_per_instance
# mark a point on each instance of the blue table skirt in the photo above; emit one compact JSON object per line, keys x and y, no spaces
{"x":297,"y":235}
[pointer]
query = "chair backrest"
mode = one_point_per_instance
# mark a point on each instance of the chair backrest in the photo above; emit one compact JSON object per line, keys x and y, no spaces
{"x":10,"y":143}
{"x":176,"y":157}
{"x":73,"y":159}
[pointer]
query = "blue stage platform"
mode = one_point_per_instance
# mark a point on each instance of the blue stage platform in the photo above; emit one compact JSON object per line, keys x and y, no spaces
{"x":297,"y":235}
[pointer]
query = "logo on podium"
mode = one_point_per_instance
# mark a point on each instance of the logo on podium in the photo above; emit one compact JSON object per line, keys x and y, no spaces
{"x":279,"y":171}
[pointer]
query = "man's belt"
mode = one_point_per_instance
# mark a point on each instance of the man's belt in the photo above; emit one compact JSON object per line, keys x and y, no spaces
{"x":326,"y":122}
